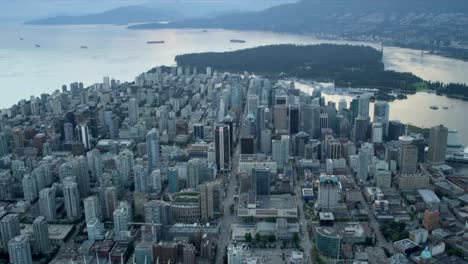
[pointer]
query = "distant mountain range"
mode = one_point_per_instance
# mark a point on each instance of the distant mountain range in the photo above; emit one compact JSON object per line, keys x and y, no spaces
{"x":419,"y":23}
{"x":120,"y":15}
{"x":434,"y":25}
{"x":158,"y":11}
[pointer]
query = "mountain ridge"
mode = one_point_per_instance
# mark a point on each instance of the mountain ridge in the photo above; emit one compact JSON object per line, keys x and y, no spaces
{"x":119,"y":15}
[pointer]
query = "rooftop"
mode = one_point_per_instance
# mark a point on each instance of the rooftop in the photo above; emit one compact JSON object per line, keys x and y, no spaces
{"x":284,"y":201}
{"x":56,"y":232}
{"x":405,"y":244}
{"x":326,"y":216}
{"x":429,"y":196}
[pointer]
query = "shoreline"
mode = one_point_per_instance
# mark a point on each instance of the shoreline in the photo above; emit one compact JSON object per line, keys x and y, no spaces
{"x":357,"y":41}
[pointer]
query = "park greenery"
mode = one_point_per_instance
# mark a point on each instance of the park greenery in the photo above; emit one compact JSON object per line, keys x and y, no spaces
{"x":394,"y":231}
{"x":345,"y":65}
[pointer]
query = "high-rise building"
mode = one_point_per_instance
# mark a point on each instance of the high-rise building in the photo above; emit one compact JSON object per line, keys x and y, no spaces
{"x":41,"y":235}
{"x":383,"y":178}
{"x":198,"y":131}
{"x":361,"y":126}
{"x":83,"y":176}
{"x":95,"y":229}
{"x":92,"y":208}
{"x":157,"y":212}
{"x":252,"y":103}
{"x":152,"y":149}
{"x":3,"y":144}
{"x":188,"y":252}
{"x":300,"y":141}
{"x":280,"y":150}
{"x":141,"y":181}
{"x":133,"y":112}
{"x":173,"y":179}
{"x":377,"y":132}
{"x":72,"y":199}
{"x":363,"y":109}
{"x":144,"y":253}
{"x":261,"y":180}
{"x":68,"y":132}
{"x":121,"y":219}
{"x":222,"y":146}
{"x":333,"y":148}
{"x":156,"y":181}
{"x":47,"y":206}
{"x":39,"y":178}
{"x":19,"y":250}
{"x":95,"y":163}
{"x":420,"y":142}
{"x":110,"y":201}
{"x":84,"y":136}
{"x":9,"y":228}
{"x":342,"y":105}
{"x":125,"y":164}
{"x":194,"y":172}
{"x":329,"y":192}
{"x":247,"y":144}
{"x":381,"y":114}
{"x":324,"y":121}
{"x":395,"y":130}
{"x":294,"y":119}
{"x":280,"y":117}
{"x":229,"y":121}
{"x":366,"y":153}
{"x":409,"y":156}
{"x":328,"y":241}
{"x":29,"y":188}
{"x":210,"y":200}
{"x":265,"y":141}
{"x":431,"y":219}
{"x":437,"y":145}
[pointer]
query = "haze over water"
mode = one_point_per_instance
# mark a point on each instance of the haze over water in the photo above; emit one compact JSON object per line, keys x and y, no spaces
{"x":122,"y":54}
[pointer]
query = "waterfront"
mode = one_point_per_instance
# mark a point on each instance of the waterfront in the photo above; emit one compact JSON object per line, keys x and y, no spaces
{"x":122,"y":54}
{"x":416,"y":110}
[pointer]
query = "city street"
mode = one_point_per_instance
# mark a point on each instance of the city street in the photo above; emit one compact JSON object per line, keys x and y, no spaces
{"x":228,"y":218}
{"x":305,"y":239}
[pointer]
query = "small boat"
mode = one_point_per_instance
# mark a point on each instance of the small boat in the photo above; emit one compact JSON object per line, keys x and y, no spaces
{"x":433,"y":107}
{"x":84,"y":47}
{"x":155,"y":42}
{"x":38,"y":46}
{"x":445,"y":107}
{"x":237,"y":41}
{"x":205,"y":30}
{"x":21,"y":38}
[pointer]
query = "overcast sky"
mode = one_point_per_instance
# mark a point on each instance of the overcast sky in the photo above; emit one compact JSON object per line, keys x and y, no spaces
{"x":28,"y":9}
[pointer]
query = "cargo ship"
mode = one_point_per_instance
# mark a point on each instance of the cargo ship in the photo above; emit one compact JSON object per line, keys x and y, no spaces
{"x":155,"y":42}
{"x":237,"y":41}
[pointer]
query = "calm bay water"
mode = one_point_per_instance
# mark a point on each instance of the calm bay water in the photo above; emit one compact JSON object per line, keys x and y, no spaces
{"x":122,"y":54}
{"x":415,"y":110}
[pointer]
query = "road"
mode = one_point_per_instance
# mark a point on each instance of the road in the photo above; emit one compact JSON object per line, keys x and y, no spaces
{"x":305,"y":239}
{"x":381,"y":240}
{"x":225,"y":226}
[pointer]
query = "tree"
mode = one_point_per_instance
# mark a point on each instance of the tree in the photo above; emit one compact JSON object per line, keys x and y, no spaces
{"x":296,"y":239}
{"x":369,"y":241}
{"x":258,"y":237}
{"x":271,"y":238}
{"x":248,"y":237}
{"x":249,"y":219}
